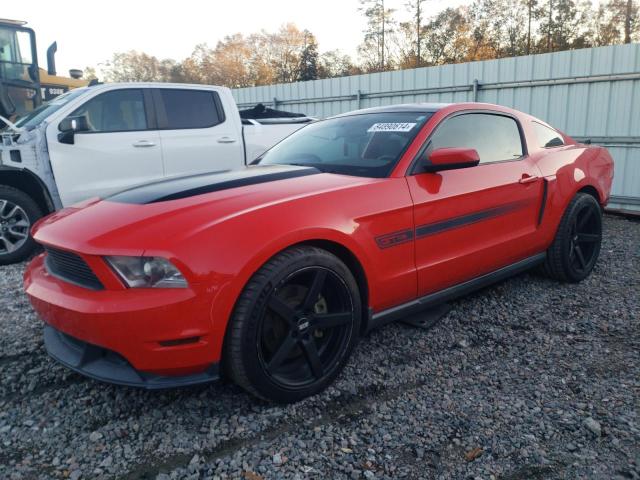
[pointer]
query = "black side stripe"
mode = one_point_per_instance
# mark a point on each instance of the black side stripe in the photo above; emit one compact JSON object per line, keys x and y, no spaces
{"x":403,"y":236}
{"x":457,"y":222}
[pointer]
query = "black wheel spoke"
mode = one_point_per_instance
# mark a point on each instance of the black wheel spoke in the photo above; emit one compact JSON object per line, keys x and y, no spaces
{"x":584,"y":220}
{"x":313,"y":358}
{"x":588,"y":237}
{"x":314,"y":289}
{"x":574,"y":226}
{"x":330,"y":320}
{"x":580,"y":256}
{"x":281,"y":353}
{"x":282,"y":310}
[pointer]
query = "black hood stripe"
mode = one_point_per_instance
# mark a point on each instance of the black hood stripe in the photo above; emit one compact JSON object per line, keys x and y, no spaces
{"x":184,"y":187}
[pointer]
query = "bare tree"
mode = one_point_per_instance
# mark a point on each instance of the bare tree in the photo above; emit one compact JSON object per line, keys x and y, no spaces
{"x":417,"y":17}
{"x":133,"y":66}
{"x":380,"y":25}
{"x":448,"y":37}
{"x":308,"y":67}
{"x":531,"y":9}
{"x":626,"y":15}
{"x":334,"y":63}
{"x":567,"y":25}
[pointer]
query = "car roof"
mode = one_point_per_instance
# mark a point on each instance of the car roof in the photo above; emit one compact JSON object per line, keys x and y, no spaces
{"x":403,"y":107}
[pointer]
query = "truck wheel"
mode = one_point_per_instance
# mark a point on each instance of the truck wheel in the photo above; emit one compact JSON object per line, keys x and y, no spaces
{"x":18,"y":212}
{"x":294,"y":326}
{"x":575,"y":249}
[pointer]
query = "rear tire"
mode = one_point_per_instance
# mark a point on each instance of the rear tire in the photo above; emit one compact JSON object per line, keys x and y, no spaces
{"x":576,"y":247}
{"x":294,"y":326}
{"x":18,"y":212}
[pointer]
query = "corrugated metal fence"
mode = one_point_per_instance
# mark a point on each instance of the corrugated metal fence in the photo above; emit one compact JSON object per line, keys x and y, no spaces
{"x":591,"y":93}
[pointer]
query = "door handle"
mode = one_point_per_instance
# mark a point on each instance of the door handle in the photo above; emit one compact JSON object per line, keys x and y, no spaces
{"x":526,"y":178}
{"x":143,"y":144}
{"x":226,"y":140}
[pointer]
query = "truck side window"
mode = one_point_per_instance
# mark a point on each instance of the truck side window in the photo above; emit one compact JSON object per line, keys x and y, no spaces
{"x":189,"y":109}
{"x":115,"y":111}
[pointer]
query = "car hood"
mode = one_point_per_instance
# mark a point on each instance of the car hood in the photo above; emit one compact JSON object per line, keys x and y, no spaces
{"x":172,"y":210}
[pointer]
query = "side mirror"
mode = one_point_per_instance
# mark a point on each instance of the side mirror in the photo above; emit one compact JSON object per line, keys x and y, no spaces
{"x":450,"y":159}
{"x":70,"y":126}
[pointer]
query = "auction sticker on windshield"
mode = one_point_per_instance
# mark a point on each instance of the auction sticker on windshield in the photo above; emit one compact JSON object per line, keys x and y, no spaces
{"x":391,"y":127}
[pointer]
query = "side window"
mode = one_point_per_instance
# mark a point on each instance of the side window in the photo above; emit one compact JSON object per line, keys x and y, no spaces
{"x":190,"y":109}
{"x":115,"y":111}
{"x":547,"y":137}
{"x":494,"y":137}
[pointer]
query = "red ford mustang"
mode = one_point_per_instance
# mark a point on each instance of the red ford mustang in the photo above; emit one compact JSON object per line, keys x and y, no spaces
{"x":272,"y":273}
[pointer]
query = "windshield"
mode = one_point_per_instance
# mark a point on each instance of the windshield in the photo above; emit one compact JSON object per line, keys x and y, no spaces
{"x":366,"y":145}
{"x":34,"y":118}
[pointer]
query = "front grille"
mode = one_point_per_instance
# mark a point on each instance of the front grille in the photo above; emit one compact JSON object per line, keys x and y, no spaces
{"x":72,"y":268}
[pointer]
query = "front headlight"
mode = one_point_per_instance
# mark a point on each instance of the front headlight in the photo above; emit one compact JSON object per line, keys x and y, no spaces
{"x":147,"y":272}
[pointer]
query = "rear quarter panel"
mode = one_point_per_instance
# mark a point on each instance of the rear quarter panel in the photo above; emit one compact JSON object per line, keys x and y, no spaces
{"x":568,"y":170}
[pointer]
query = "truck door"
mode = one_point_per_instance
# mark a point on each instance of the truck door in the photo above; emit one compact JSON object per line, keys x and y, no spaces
{"x":197,"y":134}
{"x":120,"y":149}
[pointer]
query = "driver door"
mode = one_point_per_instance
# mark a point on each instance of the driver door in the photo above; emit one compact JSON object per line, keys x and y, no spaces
{"x":472,"y":221}
{"x":121,"y":149}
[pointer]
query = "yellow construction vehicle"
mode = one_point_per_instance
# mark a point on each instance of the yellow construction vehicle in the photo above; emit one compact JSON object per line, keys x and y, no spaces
{"x":23,"y":84}
{"x":53,"y":84}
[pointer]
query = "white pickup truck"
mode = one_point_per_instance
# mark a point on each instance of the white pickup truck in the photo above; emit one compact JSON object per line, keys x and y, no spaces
{"x":93,"y":141}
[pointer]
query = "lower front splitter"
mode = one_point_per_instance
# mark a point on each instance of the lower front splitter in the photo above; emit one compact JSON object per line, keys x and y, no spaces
{"x":107,"y":366}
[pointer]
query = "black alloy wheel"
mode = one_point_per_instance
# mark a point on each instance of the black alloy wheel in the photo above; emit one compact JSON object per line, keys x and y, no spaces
{"x":586,"y":235}
{"x":576,"y":247}
{"x":306,"y":326}
{"x":294,"y":326}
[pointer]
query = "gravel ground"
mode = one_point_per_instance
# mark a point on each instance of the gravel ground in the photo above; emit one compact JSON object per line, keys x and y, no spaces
{"x":529,"y":379}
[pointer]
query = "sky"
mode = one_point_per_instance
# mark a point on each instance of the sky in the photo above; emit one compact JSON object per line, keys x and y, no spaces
{"x":88,"y":33}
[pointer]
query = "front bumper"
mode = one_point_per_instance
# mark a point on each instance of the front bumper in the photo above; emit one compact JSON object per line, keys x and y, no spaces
{"x":153,"y":338}
{"x":107,"y":366}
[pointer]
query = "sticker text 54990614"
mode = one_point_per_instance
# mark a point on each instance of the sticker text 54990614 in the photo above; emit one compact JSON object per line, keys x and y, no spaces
{"x":391,"y":127}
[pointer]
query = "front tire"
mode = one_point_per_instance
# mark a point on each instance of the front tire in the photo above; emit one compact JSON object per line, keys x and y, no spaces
{"x":576,"y":247}
{"x":18,"y":212}
{"x":294,"y":326}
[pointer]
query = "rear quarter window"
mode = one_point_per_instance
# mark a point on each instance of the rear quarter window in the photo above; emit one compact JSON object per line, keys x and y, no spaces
{"x":547,"y":137}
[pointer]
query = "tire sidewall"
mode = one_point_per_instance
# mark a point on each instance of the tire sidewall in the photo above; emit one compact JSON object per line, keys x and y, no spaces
{"x":582,"y":201}
{"x":258,"y":378}
{"x":33,"y":214}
